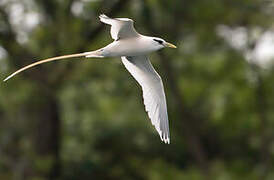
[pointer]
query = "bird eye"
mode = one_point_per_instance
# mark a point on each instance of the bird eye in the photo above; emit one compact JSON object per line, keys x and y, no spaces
{"x":159,"y":41}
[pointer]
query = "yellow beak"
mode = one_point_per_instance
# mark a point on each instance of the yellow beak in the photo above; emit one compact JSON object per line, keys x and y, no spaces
{"x":169,"y":45}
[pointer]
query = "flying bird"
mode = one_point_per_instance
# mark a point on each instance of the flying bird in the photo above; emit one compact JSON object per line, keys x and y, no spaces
{"x":133,"y":49}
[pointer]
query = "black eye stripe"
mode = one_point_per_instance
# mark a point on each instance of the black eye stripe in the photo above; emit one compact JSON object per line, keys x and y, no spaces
{"x":159,"y":41}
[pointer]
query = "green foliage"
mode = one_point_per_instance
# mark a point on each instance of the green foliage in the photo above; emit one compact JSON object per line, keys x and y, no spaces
{"x":84,"y":119}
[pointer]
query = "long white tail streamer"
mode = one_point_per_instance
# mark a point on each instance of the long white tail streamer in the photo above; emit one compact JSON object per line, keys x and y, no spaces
{"x":49,"y":60}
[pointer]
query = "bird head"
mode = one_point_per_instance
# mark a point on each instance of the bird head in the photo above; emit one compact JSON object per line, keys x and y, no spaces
{"x":160,"y":43}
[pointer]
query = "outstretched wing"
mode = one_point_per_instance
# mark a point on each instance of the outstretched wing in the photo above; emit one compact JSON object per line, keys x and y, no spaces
{"x":120,"y":27}
{"x":153,"y":92}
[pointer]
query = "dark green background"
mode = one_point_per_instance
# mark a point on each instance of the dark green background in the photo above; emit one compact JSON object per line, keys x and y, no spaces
{"x":85,"y":119}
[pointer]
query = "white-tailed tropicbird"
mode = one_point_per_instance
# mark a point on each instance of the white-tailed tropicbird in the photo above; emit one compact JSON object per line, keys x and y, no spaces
{"x":133,"y":48}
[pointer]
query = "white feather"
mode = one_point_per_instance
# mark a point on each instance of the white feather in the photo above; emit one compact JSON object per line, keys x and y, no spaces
{"x":153,"y":92}
{"x":120,"y":27}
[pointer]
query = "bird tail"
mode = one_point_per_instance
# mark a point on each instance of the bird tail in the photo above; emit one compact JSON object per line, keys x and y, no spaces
{"x":96,"y":53}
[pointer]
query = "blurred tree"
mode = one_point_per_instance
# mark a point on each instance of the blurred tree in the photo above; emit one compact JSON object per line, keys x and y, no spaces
{"x":83,"y":120}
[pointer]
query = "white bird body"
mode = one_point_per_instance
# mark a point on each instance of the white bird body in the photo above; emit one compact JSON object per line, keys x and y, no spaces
{"x":133,"y":48}
{"x":143,"y":45}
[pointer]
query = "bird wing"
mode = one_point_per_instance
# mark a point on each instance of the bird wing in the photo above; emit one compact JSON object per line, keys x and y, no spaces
{"x":120,"y":27}
{"x":153,"y":92}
